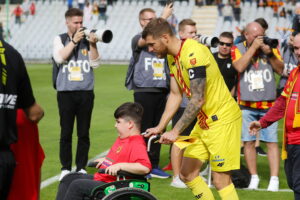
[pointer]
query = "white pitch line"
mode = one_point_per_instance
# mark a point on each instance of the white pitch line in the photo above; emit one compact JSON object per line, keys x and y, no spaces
{"x":55,"y":178}
{"x":260,"y":189}
{"x":265,"y":190}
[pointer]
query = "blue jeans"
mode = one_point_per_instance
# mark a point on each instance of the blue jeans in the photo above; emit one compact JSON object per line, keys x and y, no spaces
{"x":268,"y":134}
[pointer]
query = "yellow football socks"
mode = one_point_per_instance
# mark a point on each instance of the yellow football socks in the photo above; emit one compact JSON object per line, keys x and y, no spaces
{"x":228,"y":193}
{"x":200,"y":189}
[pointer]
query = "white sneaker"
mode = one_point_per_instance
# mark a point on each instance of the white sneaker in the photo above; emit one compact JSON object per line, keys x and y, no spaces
{"x":82,"y":171}
{"x":254,"y":182}
{"x":63,"y":174}
{"x":273,"y":184}
{"x":176,"y":182}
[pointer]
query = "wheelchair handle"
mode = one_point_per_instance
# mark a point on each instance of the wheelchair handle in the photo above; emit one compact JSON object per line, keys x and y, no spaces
{"x":124,"y":173}
{"x":152,"y":138}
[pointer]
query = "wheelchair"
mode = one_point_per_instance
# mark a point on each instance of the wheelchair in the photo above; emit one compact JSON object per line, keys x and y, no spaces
{"x":135,"y":188}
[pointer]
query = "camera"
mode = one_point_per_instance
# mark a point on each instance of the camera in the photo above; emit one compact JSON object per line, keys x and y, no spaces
{"x":102,"y":35}
{"x":208,"y":40}
{"x":273,"y":43}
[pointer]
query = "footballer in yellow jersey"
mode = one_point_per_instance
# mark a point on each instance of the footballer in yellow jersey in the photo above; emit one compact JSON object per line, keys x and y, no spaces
{"x":220,"y":107}
{"x":195,"y":72}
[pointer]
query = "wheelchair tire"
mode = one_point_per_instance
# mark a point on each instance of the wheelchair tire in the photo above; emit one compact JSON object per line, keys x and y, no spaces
{"x":129,"y":193}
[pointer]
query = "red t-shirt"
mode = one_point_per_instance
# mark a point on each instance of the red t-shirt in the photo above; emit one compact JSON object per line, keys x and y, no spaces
{"x":293,"y":134}
{"x":128,"y":150}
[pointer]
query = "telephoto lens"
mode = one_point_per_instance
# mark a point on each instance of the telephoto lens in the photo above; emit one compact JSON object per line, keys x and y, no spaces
{"x":102,"y":35}
{"x":208,"y":40}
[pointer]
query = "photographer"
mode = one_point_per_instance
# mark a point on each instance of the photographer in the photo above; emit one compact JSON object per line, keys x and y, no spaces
{"x":256,"y":63}
{"x":148,"y":76}
{"x":76,"y":57}
{"x":290,"y":61}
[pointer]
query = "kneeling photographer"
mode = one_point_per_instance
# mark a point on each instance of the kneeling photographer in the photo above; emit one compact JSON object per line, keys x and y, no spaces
{"x":75,"y":55}
{"x":256,"y":60}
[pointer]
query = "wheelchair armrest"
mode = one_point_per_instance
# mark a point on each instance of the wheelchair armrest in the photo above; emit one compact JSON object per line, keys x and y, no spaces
{"x":125,"y":173}
{"x":92,"y":164}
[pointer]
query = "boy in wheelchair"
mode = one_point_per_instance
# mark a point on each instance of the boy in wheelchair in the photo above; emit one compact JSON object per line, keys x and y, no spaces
{"x":128,"y":153}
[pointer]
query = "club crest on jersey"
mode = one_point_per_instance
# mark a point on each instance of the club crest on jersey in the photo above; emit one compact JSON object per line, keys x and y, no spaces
{"x":84,"y":52}
{"x":193,"y":61}
{"x":119,"y":149}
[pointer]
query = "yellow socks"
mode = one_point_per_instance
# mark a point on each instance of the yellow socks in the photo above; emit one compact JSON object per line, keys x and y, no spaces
{"x":200,"y":189}
{"x":228,"y":193}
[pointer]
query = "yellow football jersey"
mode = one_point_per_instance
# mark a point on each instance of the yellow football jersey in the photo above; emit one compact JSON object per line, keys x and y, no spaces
{"x":219,"y":106}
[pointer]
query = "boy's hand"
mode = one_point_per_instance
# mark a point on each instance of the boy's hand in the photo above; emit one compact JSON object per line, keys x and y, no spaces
{"x":113,"y":169}
{"x":100,"y":161}
{"x":254,"y":127}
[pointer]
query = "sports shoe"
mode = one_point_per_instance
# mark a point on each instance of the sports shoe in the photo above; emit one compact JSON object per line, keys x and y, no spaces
{"x":148,"y":176}
{"x":176,"y":182}
{"x":168,"y":167}
{"x":273,"y":184}
{"x":254,"y":182}
{"x":82,"y":171}
{"x":158,"y":173}
{"x":63,"y":174}
{"x":260,"y":151}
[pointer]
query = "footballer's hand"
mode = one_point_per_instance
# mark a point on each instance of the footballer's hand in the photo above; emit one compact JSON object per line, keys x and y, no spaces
{"x":153,"y":131}
{"x":113,"y":169}
{"x":254,"y":127}
{"x":78,"y":35}
{"x":93,"y":38}
{"x":100,"y":161}
{"x":168,"y":137}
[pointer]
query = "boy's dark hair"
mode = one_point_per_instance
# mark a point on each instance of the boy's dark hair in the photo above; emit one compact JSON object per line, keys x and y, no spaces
{"x":262,"y":22}
{"x":226,"y":35}
{"x":72,"y":12}
{"x":156,"y":28}
{"x":130,"y":111}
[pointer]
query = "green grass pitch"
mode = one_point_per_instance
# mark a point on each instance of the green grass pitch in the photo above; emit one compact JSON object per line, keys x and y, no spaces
{"x":110,"y":93}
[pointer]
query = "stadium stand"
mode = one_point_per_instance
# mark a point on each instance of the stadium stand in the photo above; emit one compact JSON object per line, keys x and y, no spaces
{"x":35,"y":36}
{"x":250,"y":12}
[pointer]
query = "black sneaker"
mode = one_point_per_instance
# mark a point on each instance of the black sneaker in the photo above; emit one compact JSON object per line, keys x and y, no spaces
{"x":242,"y":151}
{"x":260,"y":151}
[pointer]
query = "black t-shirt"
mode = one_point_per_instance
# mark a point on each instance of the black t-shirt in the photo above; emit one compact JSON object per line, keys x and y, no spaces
{"x":15,"y":91}
{"x":227,"y":70}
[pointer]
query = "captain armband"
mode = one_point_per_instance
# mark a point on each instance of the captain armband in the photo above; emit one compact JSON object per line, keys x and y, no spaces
{"x":197,"y":72}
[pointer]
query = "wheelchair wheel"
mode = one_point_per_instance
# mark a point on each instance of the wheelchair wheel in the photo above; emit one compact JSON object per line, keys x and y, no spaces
{"x":129,"y":194}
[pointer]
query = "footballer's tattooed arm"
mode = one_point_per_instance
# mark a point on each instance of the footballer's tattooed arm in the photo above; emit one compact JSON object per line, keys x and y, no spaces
{"x":197,"y":87}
